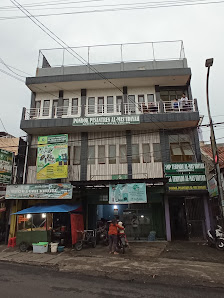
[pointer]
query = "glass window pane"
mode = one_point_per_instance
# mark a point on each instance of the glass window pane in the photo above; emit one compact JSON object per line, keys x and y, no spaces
{"x":135,"y":153}
{"x":150,"y":97}
{"x":91,"y":105}
{"x":176,"y":149}
{"x":101,"y":154}
{"x":141,"y":98}
{"x":100,"y":106}
{"x":35,"y":112}
{"x":110,"y":104}
{"x":123,"y":154}
{"x":173,"y":138}
{"x":187,"y":149}
{"x":74,"y":106}
{"x":118,"y":103}
{"x":112,"y":154}
{"x":37,"y":104}
{"x":46,"y":108}
{"x":77,"y":155}
{"x":65,"y":106}
{"x":131,"y":104}
{"x":146,"y":153}
{"x":157,"y":152}
{"x":91,"y":155}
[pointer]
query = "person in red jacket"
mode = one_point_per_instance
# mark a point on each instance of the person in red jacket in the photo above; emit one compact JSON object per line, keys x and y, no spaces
{"x":113,"y":236}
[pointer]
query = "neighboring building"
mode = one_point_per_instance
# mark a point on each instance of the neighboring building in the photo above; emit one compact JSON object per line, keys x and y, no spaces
{"x":207,"y":158}
{"x":123,"y":126}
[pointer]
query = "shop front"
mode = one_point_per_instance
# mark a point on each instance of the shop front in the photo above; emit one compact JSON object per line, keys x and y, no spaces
{"x":186,"y":201}
{"x":139,"y":207}
{"x":50,"y":216}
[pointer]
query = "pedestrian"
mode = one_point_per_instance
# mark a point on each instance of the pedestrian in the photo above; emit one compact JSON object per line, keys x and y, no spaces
{"x":135,"y":224}
{"x":113,"y":231}
{"x":184,"y":102}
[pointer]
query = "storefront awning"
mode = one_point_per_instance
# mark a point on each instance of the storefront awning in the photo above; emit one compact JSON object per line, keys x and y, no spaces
{"x":50,"y":209}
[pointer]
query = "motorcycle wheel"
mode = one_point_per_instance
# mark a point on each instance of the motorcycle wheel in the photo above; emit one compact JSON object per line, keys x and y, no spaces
{"x":78,"y":246}
{"x":220,"y":244}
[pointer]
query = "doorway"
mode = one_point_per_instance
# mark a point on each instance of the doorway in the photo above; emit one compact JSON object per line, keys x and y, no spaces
{"x":178,"y":220}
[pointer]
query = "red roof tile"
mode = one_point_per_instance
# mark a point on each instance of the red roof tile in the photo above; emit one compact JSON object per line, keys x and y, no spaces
{"x":206,"y":150}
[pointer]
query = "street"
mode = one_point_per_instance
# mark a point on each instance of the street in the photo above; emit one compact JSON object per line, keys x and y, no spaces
{"x":34,"y":281}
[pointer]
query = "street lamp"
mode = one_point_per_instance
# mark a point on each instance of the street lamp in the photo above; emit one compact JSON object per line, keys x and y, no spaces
{"x":208,"y":64}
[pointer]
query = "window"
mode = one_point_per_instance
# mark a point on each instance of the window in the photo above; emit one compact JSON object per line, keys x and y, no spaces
{"x":76,"y":155}
{"x":131,"y":104}
{"x":65,"y":106}
{"x":119,"y":103}
{"x":157,"y":152}
{"x":141,"y":98}
{"x":36,"y":111}
{"x":74,"y":106}
{"x":55,"y":105}
{"x":91,"y":105}
{"x":110,"y":104}
{"x":100,"y":107}
{"x":135,"y":153}
{"x":123,"y":154}
{"x":181,"y":152}
{"x":91,"y":155}
{"x":150,"y":97}
{"x":101,"y":154}
{"x":146,"y":153}
{"x":169,"y":95}
{"x":46,"y":109}
{"x":112,"y":154}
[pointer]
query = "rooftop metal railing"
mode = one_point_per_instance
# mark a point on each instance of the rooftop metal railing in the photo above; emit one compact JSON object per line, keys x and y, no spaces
{"x":111,"y":53}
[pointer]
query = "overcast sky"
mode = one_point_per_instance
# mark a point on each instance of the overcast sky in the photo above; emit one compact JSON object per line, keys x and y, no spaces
{"x":200,"y":27}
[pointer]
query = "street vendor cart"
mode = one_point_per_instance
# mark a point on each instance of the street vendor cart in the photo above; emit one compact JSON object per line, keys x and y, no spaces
{"x":36,"y":224}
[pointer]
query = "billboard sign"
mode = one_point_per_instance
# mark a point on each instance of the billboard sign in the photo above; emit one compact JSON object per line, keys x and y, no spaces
{"x":52,"y":157}
{"x":6,"y":160}
{"x":127,"y":193}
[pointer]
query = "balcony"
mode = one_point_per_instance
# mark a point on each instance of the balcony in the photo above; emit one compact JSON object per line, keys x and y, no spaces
{"x":151,"y":116}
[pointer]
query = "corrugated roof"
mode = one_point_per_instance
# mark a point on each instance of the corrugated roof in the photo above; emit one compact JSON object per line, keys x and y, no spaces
{"x":207,"y":150}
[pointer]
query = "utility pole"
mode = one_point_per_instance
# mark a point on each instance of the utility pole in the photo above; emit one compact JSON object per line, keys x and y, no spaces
{"x":208,"y":64}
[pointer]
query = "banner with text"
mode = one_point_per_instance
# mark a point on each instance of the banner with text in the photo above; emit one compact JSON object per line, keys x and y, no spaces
{"x":110,"y":120}
{"x":185,"y":176}
{"x":52,"y":157}
{"x":6,"y":159}
{"x":39,"y":191}
{"x":127,"y":193}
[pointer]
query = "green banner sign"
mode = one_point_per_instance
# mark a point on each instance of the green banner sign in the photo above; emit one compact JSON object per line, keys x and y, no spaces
{"x":118,"y":177}
{"x":176,"y":168}
{"x":185,"y":176}
{"x":109,"y":120}
{"x":6,"y":159}
{"x":52,"y":157}
{"x":127,"y":193}
{"x":39,"y":191}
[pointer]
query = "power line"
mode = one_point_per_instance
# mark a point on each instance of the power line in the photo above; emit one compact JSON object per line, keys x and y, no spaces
{"x":13,"y":76}
{"x":112,"y":10}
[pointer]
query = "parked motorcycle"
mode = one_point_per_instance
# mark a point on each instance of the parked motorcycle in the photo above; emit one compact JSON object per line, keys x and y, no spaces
{"x":102,"y":235}
{"x":215,"y":238}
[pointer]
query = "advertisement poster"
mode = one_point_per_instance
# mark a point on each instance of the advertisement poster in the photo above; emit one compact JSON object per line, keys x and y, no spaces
{"x":6,"y":159}
{"x":52,"y":157}
{"x":39,"y":191}
{"x":127,"y":193}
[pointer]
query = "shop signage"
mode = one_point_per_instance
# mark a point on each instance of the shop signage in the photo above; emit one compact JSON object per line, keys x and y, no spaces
{"x":212,"y":187}
{"x":185,"y":176}
{"x":6,"y":159}
{"x":39,"y":191}
{"x":118,"y":177}
{"x":52,"y":157}
{"x":176,"y":168}
{"x":109,"y":120}
{"x":127,"y":193}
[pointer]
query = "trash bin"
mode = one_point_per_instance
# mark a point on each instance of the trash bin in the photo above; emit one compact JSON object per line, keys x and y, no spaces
{"x":54,"y":247}
{"x":40,"y":247}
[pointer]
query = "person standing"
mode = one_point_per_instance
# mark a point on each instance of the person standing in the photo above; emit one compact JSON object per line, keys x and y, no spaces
{"x":135,"y":224}
{"x":113,"y":231}
{"x":184,"y":102}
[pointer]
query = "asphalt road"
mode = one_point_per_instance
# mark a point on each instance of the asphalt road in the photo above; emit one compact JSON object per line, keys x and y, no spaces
{"x":39,"y":282}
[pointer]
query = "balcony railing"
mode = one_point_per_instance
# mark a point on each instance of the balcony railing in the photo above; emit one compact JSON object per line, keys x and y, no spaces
{"x":110,"y":110}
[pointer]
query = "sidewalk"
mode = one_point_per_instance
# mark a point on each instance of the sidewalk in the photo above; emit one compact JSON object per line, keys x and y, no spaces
{"x":145,"y":261}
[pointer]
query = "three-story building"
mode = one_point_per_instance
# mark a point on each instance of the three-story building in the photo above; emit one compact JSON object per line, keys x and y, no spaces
{"x":126,"y":122}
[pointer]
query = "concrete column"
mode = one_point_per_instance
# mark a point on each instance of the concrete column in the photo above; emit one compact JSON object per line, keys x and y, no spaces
{"x":84,"y":156}
{"x":167,"y":218}
{"x":60,"y":104}
{"x":207,"y":216}
{"x":125,"y":99}
{"x":32,"y":103}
